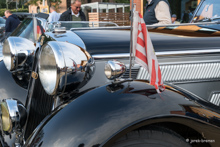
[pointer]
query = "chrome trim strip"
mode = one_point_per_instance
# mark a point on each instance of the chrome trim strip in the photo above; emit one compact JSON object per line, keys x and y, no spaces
{"x":103,"y":28}
{"x":188,"y":52}
{"x":167,"y":53}
{"x":111,"y":56}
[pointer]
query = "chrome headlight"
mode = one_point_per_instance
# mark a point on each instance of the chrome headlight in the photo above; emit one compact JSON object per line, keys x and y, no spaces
{"x":114,"y":69}
{"x":13,"y":115}
{"x":16,"y":52}
{"x":64,"y":67}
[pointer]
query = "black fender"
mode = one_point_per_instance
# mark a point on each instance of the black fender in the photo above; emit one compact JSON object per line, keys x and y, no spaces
{"x":8,"y":86}
{"x":102,"y":115}
{"x":10,"y":89}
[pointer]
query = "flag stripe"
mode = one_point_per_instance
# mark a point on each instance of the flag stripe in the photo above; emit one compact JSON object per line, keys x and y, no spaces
{"x":140,"y":49}
{"x":141,"y":56}
{"x":140,"y":42}
{"x":159,"y":75}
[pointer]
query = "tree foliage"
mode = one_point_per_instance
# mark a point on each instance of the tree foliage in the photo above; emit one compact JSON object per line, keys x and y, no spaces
{"x":33,"y":2}
{"x":49,"y":2}
{"x":117,"y":1}
{"x":122,"y":1}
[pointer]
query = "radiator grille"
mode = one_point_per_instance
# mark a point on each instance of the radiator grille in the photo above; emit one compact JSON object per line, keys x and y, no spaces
{"x":185,"y":72}
{"x":134,"y":73}
{"x":41,"y":106}
{"x":215,"y":98}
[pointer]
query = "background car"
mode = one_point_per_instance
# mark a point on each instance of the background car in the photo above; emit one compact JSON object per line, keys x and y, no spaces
{"x":207,"y":11}
{"x":2,"y":27}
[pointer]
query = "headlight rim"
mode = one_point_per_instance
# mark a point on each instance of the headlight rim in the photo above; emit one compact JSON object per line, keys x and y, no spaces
{"x":58,"y":71}
{"x":2,"y":120}
{"x":12,"y":53}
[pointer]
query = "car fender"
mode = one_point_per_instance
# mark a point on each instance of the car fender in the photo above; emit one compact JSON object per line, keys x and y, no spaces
{"x":8,"y":87}
{"x":105,"y":113}
{"x":206,"y":130}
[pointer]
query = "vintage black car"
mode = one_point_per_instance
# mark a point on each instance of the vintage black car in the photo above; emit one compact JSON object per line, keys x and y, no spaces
{"x":59,"y":89}
{"x":207,"y":11}
{"x":2,"y":27}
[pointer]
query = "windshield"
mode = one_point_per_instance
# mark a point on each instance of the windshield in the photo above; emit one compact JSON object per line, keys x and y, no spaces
{"x":208,"y":11}
{"x":79,"y":24}
{"x":25,"y":30}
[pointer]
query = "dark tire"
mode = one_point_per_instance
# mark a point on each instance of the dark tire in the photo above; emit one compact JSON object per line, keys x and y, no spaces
{"x":153,"y":137}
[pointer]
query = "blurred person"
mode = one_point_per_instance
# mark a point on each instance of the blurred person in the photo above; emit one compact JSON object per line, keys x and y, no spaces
{"x":54,"y":16}
{"x":190,"y":15}
{"x":185,"y":17}
{"x":173,"y":19}
{"x":11,"y":23}
{"x":74,"y":13}
{"x":157,"y":12}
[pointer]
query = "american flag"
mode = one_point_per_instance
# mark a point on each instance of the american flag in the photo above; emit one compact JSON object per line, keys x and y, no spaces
{"x":144,"y":51}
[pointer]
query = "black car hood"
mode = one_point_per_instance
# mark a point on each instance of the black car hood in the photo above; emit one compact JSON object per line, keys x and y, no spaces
{"x":105,"y":41}
{"x":118,"y":41}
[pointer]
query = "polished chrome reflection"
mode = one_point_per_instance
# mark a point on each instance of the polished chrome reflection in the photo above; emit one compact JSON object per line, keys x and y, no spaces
{"x":114,"y":69}
{"x":48,"y":69}
{"x":13,"y":115}
{"x":64,"y":67}
{"x":17,"y":51}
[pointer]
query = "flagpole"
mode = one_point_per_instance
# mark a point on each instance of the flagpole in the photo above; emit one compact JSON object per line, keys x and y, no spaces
{"x":131,"y":37}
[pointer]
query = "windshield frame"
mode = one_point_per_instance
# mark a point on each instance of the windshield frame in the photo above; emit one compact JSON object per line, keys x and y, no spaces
{"x":50,"y":26}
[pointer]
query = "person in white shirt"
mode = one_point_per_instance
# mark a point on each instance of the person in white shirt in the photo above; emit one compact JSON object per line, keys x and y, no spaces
{"x":157,"y":12}
{"x":54,"y":16}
